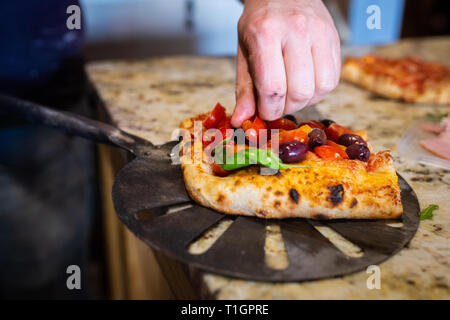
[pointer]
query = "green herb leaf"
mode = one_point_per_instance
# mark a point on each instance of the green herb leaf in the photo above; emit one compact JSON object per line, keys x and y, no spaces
{"x":427,"y":213}
{"x":240,"y":159}
{"x":247,"y":157}
{"x":436,"y":116}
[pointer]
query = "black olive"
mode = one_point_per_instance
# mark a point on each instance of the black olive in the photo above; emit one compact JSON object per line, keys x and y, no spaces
{"x":358,"y":151}
{"x":292,"y":151}
{"x":347,"y":139}
{"x":317,"y":137}
{"x":290,"y":117}
{"x":326,"y":122}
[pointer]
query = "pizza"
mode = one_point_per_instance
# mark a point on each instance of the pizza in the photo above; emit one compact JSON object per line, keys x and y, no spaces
{"x":408,"y":79}
{"x":281,"y":169}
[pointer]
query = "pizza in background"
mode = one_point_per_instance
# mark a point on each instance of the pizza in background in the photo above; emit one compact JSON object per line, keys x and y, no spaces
{"x":408,"y":79}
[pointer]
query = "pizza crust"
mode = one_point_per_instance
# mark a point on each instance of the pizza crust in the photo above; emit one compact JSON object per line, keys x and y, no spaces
{"x":343,"y":189}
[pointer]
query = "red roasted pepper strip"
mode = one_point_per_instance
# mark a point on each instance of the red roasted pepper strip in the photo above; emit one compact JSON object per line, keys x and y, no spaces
{"x":334,"y":131}
{"x":292,"y":135}
{"x":327,"y":152}
{"x":282,"y":123}
{"x":252,"y":129}
{"x":218,"y":171}
{"x":215,"y":117}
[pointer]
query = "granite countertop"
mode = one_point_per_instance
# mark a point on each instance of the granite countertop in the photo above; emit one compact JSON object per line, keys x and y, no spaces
{"x":150,"y":97}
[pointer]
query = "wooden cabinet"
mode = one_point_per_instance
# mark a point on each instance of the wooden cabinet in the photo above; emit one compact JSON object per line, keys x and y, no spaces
{"x":134,"y":270}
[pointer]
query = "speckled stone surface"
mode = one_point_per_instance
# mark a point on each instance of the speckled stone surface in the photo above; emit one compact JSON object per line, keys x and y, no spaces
{"x":150,"y":97}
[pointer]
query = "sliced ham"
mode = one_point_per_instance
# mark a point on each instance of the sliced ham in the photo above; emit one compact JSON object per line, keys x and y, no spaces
{"x":436,"y":128}
{"x":432,"y":128}
{"x":440,"y":145}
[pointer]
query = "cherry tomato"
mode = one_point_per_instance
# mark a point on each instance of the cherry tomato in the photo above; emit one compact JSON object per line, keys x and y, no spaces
{"x":282,"y":123}
{"x":334,"y":144}
{"x":291,"y":135}
{"x":218,"y":171}
{"x":340,"y":149}
{"x":327,"y":153}
{"x":252,"y":129}
{"x":225,"y":123}
{"x":259,"y":124}
{"x":313,"y":124}
{"x":208,"y":139}
{"x":214,"y":117}
{"x":316,"y":124}
{"x":334,"y":131}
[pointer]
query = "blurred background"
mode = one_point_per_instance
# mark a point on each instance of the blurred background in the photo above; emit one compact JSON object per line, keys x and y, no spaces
{"x":205,"y":27}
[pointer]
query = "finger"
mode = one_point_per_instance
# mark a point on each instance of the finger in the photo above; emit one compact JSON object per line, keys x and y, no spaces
{"x":300,"y":75}
{"x":245,"y":94}
{"x":335,"y":49}
{"x":269,"y":78}
{"x":337,"y":59}
{"x":325,"y":73}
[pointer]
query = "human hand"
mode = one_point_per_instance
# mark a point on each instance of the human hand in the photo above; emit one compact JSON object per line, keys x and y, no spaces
{"x":288,"y":57}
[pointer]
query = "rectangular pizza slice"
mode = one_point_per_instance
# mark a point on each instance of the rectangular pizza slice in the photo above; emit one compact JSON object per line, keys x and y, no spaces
{"x":316,"y":170}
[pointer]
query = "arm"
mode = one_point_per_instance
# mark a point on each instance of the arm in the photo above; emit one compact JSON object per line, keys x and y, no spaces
{"x":288,"y":57}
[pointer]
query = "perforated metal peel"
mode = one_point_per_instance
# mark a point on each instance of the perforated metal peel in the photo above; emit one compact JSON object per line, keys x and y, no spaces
{"x":239,"y":251}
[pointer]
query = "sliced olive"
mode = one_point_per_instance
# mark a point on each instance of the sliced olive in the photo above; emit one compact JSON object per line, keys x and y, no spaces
{"x":292,"y":151}
{"x":290,"y":117}
{"x":317,"y":137}
{"x":347,"y":139}
{"x":326,"y":122}
{"x":358,"y":151}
